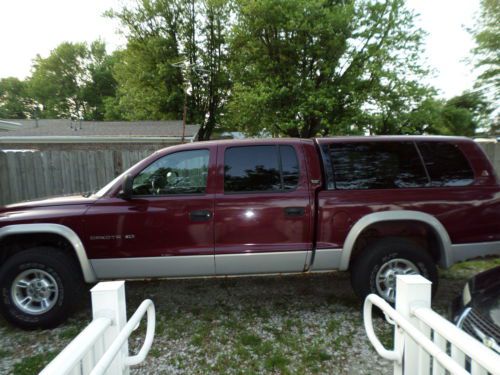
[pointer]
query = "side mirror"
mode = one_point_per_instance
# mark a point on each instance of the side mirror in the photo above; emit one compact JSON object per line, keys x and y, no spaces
{"x":127,"y":184}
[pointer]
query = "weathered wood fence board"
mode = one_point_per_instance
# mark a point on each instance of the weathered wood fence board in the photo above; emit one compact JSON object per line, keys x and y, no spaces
{"x":493,"y":151}
{"x":28,"y":175}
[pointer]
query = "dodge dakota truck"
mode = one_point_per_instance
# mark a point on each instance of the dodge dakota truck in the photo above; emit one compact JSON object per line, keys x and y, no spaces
{"x":376,"y":206}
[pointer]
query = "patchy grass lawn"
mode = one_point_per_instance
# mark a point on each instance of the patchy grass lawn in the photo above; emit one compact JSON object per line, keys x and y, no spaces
{"x":274,"y":325}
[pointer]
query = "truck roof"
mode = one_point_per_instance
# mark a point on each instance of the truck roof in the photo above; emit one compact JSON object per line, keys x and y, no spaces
{"x":395,"y":138}
{"x":381,"y":138}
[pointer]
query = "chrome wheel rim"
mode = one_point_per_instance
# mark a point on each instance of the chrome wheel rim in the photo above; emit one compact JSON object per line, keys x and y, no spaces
{"x":34,"y":291}
{"x":386,"y":276}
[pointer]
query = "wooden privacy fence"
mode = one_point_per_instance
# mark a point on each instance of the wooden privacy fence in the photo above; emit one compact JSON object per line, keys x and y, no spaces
{"x":28,"y":174}
{"x":492,"y":149}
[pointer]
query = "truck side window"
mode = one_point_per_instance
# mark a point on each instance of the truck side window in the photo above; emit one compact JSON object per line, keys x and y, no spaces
{"x":260,"y":168}
{"x":376,"y":165}
{"x":289,"y":167}
{"x":183,"y":172}
{"x":446,"y":164}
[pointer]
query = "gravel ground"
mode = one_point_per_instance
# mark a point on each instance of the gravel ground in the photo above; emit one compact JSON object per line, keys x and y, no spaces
{"x":273,"y":325}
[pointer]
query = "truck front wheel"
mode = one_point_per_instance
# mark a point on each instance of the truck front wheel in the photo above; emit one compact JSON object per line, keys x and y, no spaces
{"x":376,"y":268}
{"x":39,"y":287}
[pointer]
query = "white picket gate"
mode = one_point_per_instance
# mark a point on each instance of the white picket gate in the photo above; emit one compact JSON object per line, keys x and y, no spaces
{"x":102,"y":347}
{"x":424,"y":341}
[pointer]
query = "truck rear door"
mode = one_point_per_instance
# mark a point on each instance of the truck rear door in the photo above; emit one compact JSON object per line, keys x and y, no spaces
{"x":263,"y":212}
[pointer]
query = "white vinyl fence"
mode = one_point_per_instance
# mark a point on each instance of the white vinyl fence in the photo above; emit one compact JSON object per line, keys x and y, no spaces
{"x":102,"y":347}
{"x":424,"y":341}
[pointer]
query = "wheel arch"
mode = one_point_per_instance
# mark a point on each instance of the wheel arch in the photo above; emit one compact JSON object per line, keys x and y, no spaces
{"x":57,"y":229}
{"x":401,"y":215}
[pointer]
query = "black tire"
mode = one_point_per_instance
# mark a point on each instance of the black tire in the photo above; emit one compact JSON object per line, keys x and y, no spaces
{"x":59,"y":282}
{"x":379,"y":255}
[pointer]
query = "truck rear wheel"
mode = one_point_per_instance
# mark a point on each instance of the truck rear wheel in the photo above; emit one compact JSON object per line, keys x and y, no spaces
{"x":39,"y":287}
{"x":376,"y":268}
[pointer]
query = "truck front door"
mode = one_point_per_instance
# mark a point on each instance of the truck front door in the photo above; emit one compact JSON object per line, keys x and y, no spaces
{"x":165,"y":228}
{"x":263,"y":220}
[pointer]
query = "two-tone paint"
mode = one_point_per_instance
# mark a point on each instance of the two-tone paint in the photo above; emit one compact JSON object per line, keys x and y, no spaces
{"x":250,"y":233}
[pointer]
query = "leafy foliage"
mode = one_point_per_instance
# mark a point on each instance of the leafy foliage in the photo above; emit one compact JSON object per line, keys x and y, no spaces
{"x":149,"y":86}
{"x":299,"y":68}
{"x":100,"y":85}
{"x":465,"y":115}
{"x":487,"y":51}
{"x":14,"y":99}
{"x":173,"y":47}
{"x":306,"y":68}
{"x":73,"y":81}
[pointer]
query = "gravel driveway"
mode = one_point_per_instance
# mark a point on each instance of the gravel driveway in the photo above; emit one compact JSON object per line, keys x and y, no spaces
{"x":274,"y":325}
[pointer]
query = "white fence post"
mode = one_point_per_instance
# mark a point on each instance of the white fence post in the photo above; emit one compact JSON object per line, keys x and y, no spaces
{"x":412,"y":291}
{"x":108,"y":301}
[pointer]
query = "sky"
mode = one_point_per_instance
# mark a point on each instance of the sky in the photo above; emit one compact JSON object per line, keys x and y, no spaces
{"x":31,"y":27}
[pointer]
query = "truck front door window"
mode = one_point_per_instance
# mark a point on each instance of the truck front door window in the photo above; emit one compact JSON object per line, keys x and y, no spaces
{"x":182,"y":172}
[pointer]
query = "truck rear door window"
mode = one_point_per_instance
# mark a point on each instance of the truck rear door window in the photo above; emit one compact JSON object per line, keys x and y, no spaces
{"x":376,"y":165}
{"x":289,"y":167}
{"x":260,"y":168}
{"x":446,"y":164}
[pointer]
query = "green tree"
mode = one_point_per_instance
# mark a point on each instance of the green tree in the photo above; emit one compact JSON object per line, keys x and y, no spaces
{"x":322,"y":67}
{"x":487,"y":50}
{"x":99,"y":85}
{"x":216,"y":85}
{"x":398,"y":108}
{"x":56,"y":80}
{"x":173,"y":46}
{"x":149,"y":87}
{"x":14,"y":99}
{"x":465,"y":115}
{"x":73,"y":81}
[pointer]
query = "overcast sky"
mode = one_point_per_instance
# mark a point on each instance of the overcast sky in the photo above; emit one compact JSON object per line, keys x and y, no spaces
{"x":28,"y":27}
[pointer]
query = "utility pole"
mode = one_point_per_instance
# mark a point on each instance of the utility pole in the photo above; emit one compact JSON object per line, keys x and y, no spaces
{"x":186,"y":69}
{"x":37,"y":112}
{"x":184,"y":115}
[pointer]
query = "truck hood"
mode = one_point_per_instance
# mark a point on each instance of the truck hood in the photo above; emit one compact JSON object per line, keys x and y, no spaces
{"x":55,"y":201}
{"x":45,"y":209}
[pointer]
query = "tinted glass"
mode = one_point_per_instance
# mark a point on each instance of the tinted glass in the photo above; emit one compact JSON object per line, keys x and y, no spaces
{"x":376,"y":165}
{"x":289,"y":167}
{"x":445,"y":164}
{"x":260,"y":168}
{"x":251,"y":168}
{"x":179,"y":173}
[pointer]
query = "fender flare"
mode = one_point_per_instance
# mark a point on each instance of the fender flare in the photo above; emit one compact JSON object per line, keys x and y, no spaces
{"x":377,"y":217}
{"x":61,"y":230}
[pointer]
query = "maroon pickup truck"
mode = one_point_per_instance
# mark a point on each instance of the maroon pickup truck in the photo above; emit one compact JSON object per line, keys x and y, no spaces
{"x":377,"y":206}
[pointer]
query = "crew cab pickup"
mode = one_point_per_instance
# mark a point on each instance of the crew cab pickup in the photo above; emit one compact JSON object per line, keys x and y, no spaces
{"x":377,"y":206}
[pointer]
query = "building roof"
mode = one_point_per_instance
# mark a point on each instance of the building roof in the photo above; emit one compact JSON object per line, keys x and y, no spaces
{"x":8,"y":125}
{"x":58,"y":128}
